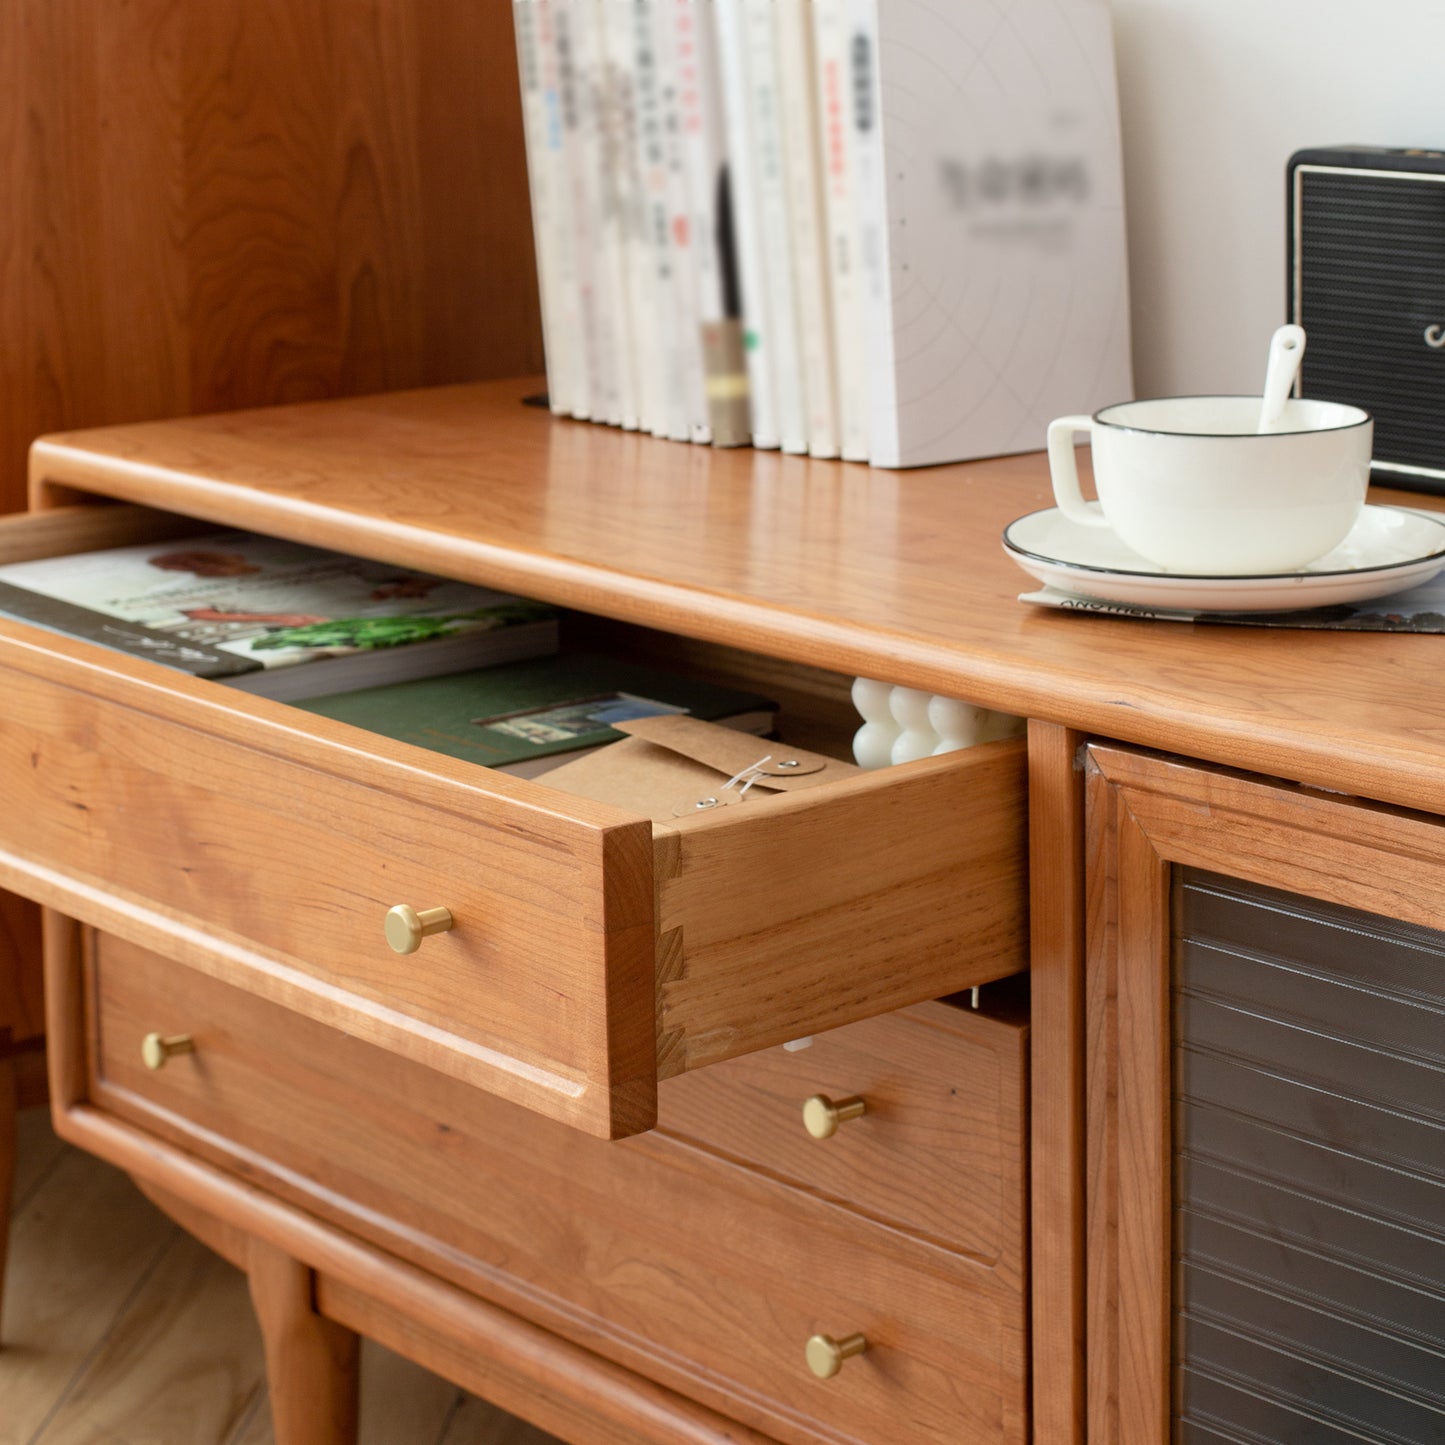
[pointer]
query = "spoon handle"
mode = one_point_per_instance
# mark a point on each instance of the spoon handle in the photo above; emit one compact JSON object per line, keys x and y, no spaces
{"x":1286,"y":351}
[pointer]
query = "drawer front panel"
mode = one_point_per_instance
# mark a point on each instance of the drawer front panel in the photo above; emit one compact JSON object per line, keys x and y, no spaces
{"x":657,"y":1252}
{"x":273,"y":855}
{"x":939,"y":1084}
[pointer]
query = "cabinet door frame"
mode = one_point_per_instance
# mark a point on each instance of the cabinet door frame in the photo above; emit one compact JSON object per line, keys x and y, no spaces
{"x":1145,"y":815}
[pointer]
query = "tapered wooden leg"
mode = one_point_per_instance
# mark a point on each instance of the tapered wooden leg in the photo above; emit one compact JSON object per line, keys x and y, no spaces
{"x":9,"y":1110}
{"x":311,"y":1362}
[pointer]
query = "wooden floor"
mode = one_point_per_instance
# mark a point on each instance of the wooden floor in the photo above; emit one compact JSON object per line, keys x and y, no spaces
{"x":119,"y":1329}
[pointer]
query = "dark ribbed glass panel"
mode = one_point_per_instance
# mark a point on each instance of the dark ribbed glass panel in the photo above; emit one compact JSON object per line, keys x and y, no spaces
{"x":1309,"y":1172}
{"x":1371,"y":271}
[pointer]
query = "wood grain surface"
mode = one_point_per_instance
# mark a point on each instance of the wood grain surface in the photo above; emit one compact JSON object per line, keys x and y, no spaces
{"x":251,"y":201}
{"x":897,"y":575}
{"x":274,"y":843}
{"x":312,"y":1363}
{"x":941,"y":1084}
{"x":278,"y":866}
{"x":839,"y":903}
{"x":701,"y":1271}
{"x":1146,"y":814}
{"x":1056,"y":1098}
{"x":221,"y":203}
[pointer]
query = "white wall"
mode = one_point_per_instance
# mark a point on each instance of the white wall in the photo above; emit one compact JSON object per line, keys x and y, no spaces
{"x":1215,"y":95}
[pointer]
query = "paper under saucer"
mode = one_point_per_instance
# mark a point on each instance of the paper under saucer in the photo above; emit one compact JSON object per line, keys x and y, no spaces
{"x":1388,"y":550}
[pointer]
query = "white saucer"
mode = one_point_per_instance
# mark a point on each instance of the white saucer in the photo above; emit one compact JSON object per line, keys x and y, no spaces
{"x":1388,"y":550}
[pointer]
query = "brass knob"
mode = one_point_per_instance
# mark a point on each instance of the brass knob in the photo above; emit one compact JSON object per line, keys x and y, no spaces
{"x":405,"y":927}
{"x":826,"y":1355}
{"x":822,"y":1115}
{"x":155,"y":1049}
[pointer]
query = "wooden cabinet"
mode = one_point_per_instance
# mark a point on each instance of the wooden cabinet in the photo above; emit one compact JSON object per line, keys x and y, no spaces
{"x":1266,"y":1196}
{"x":678,"y":1258}
{"x":695,"y":1265}
{"x":401,"y":1144}
{"x":195,"y":835}
{"x":244,"y":204}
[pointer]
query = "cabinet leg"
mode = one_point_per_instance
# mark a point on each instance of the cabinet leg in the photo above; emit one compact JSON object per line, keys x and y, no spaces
{"x":311,"y":1362}
{"x":9,"y":1110}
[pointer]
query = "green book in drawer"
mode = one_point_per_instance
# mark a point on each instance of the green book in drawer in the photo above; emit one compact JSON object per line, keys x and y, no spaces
{"x":518,"y":714}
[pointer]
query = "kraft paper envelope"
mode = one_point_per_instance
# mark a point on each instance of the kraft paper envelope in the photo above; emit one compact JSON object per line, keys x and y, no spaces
{"x":674,"y":766}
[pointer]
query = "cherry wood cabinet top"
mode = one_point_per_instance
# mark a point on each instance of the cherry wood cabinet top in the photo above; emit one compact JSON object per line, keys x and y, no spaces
{"x":896,"y":575}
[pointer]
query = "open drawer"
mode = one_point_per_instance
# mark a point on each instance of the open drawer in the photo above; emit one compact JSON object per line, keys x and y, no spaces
{"x":592,"y":952}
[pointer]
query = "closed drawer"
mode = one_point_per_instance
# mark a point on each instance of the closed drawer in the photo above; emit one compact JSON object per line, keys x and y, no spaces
{"x":593,"y":951}
{"x":658,"y":1252}
{"x":935,"y":1150}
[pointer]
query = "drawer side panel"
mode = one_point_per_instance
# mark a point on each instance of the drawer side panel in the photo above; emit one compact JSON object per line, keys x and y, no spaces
{"x":804,"y":912}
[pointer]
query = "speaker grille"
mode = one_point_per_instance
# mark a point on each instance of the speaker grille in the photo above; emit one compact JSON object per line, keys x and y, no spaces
{"x":1369,"y":283}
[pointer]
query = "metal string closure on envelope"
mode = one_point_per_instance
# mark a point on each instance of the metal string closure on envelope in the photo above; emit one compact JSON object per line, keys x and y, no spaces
{"x":736,"y":787}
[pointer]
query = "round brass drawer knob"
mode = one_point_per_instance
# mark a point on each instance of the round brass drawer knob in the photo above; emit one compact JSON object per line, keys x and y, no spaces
{"x":155,"y":1049}
{"x":822,"y":1115}
{"x":406,"y":927}
{"x":826,"y":1355}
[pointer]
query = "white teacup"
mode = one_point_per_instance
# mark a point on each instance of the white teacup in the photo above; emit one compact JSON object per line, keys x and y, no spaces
{"x":1191,"y":485}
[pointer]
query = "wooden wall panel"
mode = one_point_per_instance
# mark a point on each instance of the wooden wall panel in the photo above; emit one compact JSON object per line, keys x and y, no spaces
{"x":210,"y":204}
{"x":220,"y":203}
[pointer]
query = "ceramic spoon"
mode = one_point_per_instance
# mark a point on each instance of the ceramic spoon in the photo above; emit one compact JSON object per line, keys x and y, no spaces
{"x":1286,"y":351}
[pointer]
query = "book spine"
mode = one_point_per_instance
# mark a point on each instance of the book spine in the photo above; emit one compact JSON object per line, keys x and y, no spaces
{"x":710,"y":222}
{"x":871,"y":208}
{"x":766,"y":130}
{"x":668,"y":409}
{"x":197,"y":658}
{"x":560,"y":84}
{"x":598,"y":234}
{"x":642,"y":313}
{"x":838,"y":165}
{"x":617,"y":197}
{"x":742,"y":195}
{"x":548,"y":184}
{"x":807,"y":231}
{"x":676,"y":25}
{"x":524,"y":25}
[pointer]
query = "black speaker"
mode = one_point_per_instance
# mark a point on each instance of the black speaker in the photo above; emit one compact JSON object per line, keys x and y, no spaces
{"x":1366,"y":238}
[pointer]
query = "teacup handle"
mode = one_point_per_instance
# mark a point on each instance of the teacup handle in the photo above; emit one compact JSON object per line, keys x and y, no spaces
{"x":1064,"y":470}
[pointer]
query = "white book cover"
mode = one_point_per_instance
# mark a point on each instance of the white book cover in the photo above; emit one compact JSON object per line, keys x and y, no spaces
{"x":802,"y":169}
{"x":618,"y":194}
{"x":765,"y":124}
{"x":832,"y":33}
{"x":1007,"y":294}
{"x":549,"y":182}
{"x":676,"y":34}
{"x":704,"y":143}
{"x":599,"y":226}
{"x":560,"y":67}
{"x":667,"y":408}
{"x":732,"y":67}
{"x":642,"y":312}
{"x":870,"y":210}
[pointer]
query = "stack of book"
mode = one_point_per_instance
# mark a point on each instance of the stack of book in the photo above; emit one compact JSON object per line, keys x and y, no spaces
{"x":884,"y":230}
{"x":275,"y":618}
